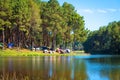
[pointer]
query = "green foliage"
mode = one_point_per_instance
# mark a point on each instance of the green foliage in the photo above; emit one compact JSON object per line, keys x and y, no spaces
{"x":5,"y":13}
{"x":38,"y":23}
{"x":104,"y":40}
{"x":59,"y":23}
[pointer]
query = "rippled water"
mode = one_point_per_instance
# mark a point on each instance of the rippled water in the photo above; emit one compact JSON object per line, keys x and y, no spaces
{"x":94,"y":67}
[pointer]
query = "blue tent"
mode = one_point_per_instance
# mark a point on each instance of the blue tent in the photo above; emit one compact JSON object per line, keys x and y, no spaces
{"x":10,"y":45}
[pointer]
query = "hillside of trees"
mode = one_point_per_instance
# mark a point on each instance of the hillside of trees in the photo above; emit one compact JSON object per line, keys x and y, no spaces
{"x":106,"y":40}
{"x":37,"y":23}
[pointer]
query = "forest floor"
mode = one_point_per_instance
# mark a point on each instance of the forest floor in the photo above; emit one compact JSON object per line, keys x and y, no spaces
{"x":26,"y":52}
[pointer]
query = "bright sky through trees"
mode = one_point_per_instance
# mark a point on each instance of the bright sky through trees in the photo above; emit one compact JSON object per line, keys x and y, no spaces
{"x":96,"y":12}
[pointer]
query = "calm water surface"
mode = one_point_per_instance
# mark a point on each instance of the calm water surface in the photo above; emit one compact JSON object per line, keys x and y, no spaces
{"x":93,"y":67}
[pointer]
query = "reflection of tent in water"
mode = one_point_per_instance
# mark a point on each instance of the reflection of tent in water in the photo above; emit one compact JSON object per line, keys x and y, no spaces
{"x":10,"y":45}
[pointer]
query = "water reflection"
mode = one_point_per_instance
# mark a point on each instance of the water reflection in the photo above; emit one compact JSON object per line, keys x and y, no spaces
{"x":45,"y":68}
{"x":103,"y":68}
{"x":59,"y":68}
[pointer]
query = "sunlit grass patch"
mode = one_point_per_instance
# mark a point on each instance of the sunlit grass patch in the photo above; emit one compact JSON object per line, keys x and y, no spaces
{"x":25,"y":52}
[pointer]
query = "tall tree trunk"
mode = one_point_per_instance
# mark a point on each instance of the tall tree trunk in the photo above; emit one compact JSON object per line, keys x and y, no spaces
{"x":54,"y":41}
{"x":74,"y":42}
{"x":18,"y":38}
{"x":3,"y":33}
{"x":31,"y":42}
{"x":45,"y":38}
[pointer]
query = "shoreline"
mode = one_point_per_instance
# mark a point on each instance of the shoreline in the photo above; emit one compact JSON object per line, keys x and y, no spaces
{"x":25,"y":52}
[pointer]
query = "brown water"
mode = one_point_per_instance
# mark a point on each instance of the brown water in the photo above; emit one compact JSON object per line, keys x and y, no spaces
{"x":60,"y":68}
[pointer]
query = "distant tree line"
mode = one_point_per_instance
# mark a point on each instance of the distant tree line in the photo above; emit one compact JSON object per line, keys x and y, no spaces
{"x":37,"y":23}
{"x":105,"y":40}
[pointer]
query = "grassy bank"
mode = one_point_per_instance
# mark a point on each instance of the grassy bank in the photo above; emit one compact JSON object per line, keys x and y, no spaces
{"x":25,"y":52}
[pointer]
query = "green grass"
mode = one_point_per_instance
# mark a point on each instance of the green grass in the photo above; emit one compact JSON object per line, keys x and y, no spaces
{"x":14,"y":52}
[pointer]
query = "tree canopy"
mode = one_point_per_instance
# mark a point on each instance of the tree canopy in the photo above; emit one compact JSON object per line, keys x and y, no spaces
{"x":106,"y":40}
{"x":39,"y":23}
{"x":35,"y":23}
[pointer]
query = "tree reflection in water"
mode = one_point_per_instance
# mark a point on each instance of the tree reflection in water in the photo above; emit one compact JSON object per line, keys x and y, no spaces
{"x":60,"y":68}
{"x":42,"y":68}
{"x":107,"y":67}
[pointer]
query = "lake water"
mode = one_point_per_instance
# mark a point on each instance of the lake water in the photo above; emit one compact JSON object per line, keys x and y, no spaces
{"x":94,"y":67}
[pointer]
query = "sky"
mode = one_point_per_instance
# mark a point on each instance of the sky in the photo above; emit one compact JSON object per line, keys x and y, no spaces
{"x":96,"y":13}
